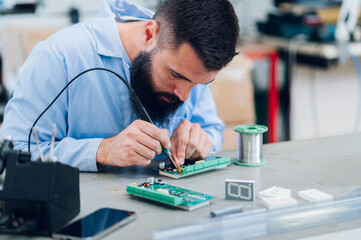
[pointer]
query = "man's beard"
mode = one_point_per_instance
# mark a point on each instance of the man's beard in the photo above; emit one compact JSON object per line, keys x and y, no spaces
{"x":142,"y":83}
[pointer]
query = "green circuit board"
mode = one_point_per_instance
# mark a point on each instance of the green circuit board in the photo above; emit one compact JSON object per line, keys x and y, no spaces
{"x":194,"y":167}
{"x":171,"y":195}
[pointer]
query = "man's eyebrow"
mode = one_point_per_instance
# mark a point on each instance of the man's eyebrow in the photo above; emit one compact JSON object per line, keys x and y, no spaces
{"x":183,"y":77}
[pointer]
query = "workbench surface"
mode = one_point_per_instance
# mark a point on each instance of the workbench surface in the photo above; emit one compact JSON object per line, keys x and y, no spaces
{"x":332,"y":165}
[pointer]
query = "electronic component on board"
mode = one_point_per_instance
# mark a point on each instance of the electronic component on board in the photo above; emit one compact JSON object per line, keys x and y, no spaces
{"x":162,"y":165}
{"x":150,"y":180}
{"x":160,"y":181}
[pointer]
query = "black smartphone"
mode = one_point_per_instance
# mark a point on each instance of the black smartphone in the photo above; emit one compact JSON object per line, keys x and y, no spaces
{"x":96,"y":225}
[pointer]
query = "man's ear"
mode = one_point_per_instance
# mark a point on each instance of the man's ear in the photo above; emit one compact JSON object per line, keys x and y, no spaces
{"x":150,"y":34}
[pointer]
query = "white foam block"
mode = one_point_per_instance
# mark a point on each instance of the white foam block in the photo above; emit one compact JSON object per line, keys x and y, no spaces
{"x":314,"y":195}
{"x":275,"y":192}
{"x":277,"y":202}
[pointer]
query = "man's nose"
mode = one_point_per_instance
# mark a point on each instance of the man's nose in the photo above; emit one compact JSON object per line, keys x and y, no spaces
{"x":183,"y":91}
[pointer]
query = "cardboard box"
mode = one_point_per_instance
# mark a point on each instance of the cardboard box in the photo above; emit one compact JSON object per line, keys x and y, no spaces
{"x":17,"y":43}
{"x":233,"y":93}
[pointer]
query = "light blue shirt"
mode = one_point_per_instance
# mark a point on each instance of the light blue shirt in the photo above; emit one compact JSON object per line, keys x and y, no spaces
{"x":95,"y":106}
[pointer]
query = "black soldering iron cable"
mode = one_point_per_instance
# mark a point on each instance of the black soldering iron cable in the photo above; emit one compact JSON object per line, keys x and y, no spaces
{"x":134,"y":95}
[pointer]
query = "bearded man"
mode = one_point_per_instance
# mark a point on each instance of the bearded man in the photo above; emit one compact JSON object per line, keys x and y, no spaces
{"x":168,"y":58}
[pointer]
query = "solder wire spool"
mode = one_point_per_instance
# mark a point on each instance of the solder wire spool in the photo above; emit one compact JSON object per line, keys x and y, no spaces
{"x":250,"y":145}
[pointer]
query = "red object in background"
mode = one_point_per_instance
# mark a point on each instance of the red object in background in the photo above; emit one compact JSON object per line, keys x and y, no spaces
{"x":273,"y":97}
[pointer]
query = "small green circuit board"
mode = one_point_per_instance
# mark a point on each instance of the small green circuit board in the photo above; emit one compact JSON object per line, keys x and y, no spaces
{"x":171,"y":195}
{"x":194,"y":167}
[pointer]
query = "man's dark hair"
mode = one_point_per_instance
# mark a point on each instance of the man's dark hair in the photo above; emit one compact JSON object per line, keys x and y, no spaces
{"x":209,"y":26}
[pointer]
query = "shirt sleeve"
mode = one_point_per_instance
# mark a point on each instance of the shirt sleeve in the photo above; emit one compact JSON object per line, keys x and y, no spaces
{"x":205,"y":113}
{"x":40,"y":79}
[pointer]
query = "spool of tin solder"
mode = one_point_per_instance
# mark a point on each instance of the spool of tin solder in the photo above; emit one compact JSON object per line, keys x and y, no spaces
{"x":250,"y":145}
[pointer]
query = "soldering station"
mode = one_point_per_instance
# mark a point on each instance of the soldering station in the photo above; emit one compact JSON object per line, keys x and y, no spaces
{"x":36,"y":198}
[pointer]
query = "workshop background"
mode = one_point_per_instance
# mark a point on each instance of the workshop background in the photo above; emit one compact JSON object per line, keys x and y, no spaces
{"x":298,"y":95}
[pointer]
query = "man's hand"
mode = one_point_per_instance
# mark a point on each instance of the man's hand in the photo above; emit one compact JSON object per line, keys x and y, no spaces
{"x":138,"y":144}
{"x":190,"y":141}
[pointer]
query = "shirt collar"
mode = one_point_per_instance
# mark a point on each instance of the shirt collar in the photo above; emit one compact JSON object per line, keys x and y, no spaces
{"x":107,"y":39}
{"x":105,"y":29}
